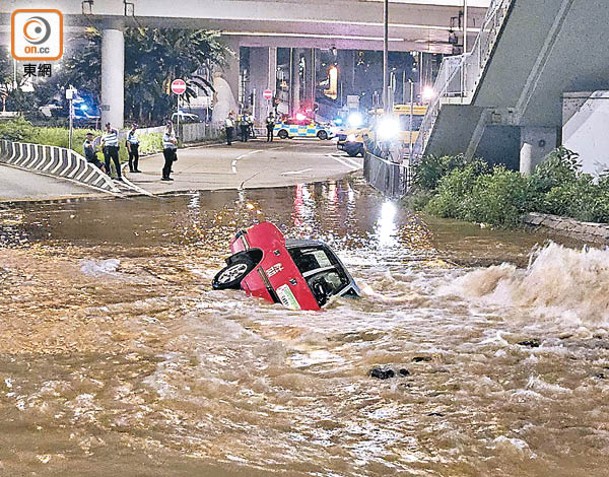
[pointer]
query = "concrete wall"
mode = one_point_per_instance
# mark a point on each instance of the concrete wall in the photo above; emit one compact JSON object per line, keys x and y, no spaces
{"x":585,"y":128}
{"x":588,"y":231}
{"x":516,"y":51}
{"x":453,"y":130}
{"x":500,"y":145}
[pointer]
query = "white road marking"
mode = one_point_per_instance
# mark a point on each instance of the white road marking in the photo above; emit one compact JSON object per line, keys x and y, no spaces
{"x":233,"y":164}
{"x":294,"y":173}
{"x":345,"y":161}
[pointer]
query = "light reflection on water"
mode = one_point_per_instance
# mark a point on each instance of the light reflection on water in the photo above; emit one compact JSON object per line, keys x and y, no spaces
{"x":143,"y":368}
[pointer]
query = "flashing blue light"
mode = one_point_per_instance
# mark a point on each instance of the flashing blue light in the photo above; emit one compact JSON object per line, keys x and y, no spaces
{"x":84,"y":107}
{"x":338,"y":121}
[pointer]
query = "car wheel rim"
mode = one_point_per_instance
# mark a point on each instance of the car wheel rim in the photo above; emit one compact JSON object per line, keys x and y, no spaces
{"x":232,"y":273}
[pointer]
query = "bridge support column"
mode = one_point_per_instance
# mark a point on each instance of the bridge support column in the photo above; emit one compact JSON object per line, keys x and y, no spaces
{"x":535,"y":144}
{"x":263,"y":65}
{"x":113,"y":76}
{"x":295,"y":82}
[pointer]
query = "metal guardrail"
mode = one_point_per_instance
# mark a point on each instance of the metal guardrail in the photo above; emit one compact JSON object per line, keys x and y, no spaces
{"x":390,"y":178}
{"x":459,"y":75}
{"x":56,"y":161}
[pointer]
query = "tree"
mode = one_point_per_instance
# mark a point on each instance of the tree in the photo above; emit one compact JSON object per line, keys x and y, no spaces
{"x":153,"y":59}
{"x":11,"y":94}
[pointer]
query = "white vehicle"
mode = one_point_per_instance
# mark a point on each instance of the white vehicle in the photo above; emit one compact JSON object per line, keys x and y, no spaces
{"x":185,"y":117}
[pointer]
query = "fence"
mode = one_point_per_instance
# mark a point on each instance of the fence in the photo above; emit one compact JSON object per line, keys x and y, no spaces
{"x":390,"y":178}
{"x":56,"y":161}
{"x":197,"y":132}
{"x":459,"y":75}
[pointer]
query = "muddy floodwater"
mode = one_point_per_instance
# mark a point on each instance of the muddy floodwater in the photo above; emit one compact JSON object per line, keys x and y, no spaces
{"x":117,"y":358}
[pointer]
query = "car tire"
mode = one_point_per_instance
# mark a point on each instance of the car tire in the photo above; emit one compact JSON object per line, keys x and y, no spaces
{"x":282,"y":134}
{"x":323,"y":135}
{"x":230,"y":277}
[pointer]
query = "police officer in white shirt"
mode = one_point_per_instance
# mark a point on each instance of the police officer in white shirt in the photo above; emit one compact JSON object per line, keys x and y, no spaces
{"x":133,"y":146}
{"x":110,"y":148}
{"x":170,"y":146}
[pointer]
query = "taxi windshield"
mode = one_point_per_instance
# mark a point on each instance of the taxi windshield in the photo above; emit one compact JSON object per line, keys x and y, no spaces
{"x":320,"y":268}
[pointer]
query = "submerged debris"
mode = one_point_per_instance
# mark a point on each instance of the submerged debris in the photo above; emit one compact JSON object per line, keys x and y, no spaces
{"x":387,"y":373}
{"x":532,"y":343}
{"x":12,"y":236}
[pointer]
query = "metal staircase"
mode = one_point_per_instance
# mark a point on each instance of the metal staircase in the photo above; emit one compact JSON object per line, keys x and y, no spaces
{"x":460,"y":75}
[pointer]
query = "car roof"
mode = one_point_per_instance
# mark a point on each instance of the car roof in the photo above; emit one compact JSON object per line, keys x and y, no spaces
{"x":293,"y":243}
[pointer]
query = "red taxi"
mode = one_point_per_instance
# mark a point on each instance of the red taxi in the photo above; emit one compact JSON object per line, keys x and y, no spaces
{"x":300,"y":274}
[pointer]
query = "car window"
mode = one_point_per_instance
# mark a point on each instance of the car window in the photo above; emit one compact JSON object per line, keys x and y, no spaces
{"x":309,"y":259}
{"x":327,"y":283}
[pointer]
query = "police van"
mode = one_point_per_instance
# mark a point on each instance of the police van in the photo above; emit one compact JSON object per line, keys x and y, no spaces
{"x":302,"y":128}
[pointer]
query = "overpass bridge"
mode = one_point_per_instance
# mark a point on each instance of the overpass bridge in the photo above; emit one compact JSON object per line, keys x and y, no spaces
{"x":414,"y":25}
{"x":504,"y":99}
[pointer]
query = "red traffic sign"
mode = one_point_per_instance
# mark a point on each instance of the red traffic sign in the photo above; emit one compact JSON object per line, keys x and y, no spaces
{"x":178,"y":86}
{"x":267,"y":94}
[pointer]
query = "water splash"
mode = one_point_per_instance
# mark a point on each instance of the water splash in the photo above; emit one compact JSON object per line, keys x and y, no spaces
{"x":559,"y":284}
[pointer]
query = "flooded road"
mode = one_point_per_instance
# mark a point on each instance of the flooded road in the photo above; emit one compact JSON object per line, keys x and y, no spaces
{"x":117,"y":358}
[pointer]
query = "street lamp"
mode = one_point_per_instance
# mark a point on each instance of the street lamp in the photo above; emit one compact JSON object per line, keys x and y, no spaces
{"x":386,"y":57}
{"x":70,"y":94}
{"x":411,"y":116}
{"x":428,"y":94}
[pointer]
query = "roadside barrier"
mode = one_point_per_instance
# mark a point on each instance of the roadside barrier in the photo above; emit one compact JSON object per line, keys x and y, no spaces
{"x":197,"y":132}
{"x":56,"y":161}
{"x":390,"y":178}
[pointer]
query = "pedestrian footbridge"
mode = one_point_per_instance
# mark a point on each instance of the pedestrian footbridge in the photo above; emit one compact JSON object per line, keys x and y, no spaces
{"x":504,"y":99}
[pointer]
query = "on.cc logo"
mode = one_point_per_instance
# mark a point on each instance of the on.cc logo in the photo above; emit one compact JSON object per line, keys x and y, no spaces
{"x":36,"y":30}
{"x":37,"y":34}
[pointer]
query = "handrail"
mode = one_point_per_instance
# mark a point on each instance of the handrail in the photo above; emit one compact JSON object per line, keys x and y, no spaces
{"x":459,"y":76}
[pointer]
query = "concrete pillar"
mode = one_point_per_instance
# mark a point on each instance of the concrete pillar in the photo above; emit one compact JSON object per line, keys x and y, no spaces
{"x":535,"y":144}
{"x":346,"y":72}
{"x":295,"y":81}
{"x":263,"y":70}
{"x":311,"y":77}
{"x":113,"y":76}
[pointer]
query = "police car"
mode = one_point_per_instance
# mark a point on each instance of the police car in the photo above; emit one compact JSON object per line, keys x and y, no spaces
{"x":302,"y":128}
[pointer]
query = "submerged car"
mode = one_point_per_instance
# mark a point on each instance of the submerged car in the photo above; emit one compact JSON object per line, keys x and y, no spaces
{"x":300,"y":274}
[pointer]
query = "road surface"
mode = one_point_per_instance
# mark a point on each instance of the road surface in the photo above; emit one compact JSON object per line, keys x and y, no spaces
{"x":19,"y":185}
{"x":255,"y":164}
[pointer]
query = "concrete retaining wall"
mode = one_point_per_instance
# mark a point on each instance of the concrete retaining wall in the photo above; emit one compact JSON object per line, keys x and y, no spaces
{"x":571,"y":227}
{"x":55,"y":161}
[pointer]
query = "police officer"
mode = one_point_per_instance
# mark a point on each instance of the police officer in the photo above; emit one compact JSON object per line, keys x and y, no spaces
{"x":133,"y":146}
{"x":170,"y":146}
{"x":244,"y":127}
{"x":270,"y":127}
{"x":90,"y":153}
{"x":110,"y":148}
{"x":229,"y":125}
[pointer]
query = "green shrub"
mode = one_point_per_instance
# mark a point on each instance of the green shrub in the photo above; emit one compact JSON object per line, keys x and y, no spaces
{"x":431,"y":169}
{"x":560,"y":167}
{"x":151,"y":143}
{"x":453,"y":191}
{"x":499,"y":198}
{"x":581,"y":199}
{"x":15,"y":129}
{"x":21,"y":130}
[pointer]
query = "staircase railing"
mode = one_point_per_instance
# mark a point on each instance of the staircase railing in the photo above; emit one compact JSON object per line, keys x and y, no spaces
{"x":459,"y":76}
